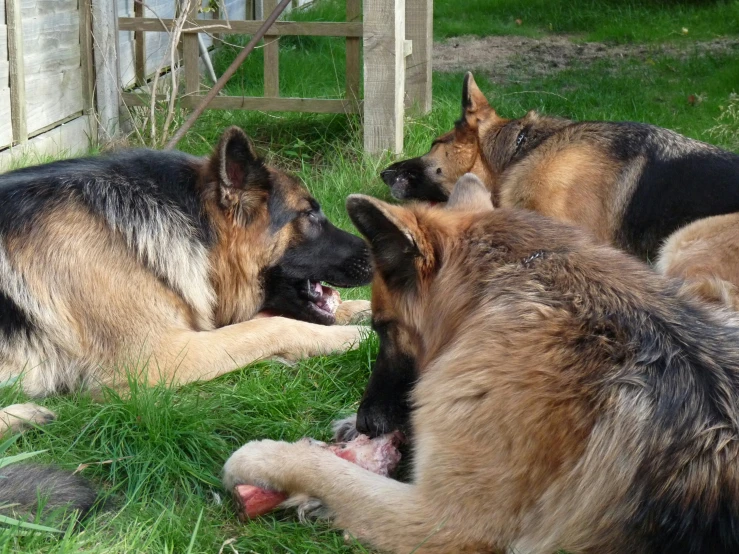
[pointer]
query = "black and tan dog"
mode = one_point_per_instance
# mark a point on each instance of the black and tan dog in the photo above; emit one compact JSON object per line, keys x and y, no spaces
{"x":632,"y":185}
{"x":158,"y":262}
{"x":569,"y":398}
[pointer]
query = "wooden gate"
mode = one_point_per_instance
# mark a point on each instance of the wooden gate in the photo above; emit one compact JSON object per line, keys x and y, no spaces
{"x":395,"y":35}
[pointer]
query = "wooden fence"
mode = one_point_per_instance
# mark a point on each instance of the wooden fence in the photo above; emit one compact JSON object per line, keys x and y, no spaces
{"x":46,"y":78}
{"x":395,"y":34}
{"x":68,"y":66}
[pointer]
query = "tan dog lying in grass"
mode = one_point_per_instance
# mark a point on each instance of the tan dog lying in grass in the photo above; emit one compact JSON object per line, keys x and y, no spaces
{"x":567,"y":396}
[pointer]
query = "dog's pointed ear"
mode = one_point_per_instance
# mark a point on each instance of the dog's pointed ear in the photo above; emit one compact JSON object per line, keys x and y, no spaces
{"x":241,"y":174}
{"x":470,"y":195}
{"x":237,"y":161}
{"x":475,"y":106}
{"x":393,"y":236}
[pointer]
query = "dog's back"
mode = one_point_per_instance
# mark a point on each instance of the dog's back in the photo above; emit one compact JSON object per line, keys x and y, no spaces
{"x":567,"y":396}
{"x":149,"y":197}
{"x":668,"y":180}
{"x":632,"y":185}
{"x":72,"y":233}
{"x":610,"y":402}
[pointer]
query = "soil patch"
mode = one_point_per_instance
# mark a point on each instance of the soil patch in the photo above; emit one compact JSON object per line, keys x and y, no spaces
{"x":503,"y":58}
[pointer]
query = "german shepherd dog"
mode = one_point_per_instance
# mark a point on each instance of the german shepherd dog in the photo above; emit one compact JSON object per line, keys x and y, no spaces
{"x":634,"y":186}
{"x":160,"y":261}
{"x":568,"y":396}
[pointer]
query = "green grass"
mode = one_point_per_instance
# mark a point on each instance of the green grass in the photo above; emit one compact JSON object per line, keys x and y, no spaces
{"x":158,"y":453}
{"x":593,"y":20}
{"x":326,"y":78}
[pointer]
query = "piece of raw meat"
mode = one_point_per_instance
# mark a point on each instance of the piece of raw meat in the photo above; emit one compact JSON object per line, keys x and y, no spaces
{"x":379,"y":455}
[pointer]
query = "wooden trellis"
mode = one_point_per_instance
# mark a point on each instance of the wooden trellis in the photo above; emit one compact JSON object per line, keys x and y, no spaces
{"x":395,"y":36}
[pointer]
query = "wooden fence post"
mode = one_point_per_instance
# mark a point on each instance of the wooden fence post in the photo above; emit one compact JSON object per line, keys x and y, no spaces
{"x":271,"y":58}
{"x":384,"y":75}
{"x":353,"y":53}
{"x":16,"y":72}
{"x":107,"y":77}
{"x":191,"y":50}
{"x":139,"y":40}
{"x":88,"y":69}
{"x":419,"y":23}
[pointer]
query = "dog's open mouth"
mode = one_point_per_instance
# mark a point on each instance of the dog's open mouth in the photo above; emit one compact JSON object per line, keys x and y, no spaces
{"x":305,"y":299}
{"x":323,"y":298}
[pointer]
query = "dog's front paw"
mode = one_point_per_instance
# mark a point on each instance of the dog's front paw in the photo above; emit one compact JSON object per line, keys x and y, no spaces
{"x":18,"y":417}
{"x":255,"y":464}
{"x":353,"y":312}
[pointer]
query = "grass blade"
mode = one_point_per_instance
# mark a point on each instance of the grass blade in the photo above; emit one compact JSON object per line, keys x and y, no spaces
{"x":30,"y":526}
{"x":195,"y":532}
{"x":7,"y":460}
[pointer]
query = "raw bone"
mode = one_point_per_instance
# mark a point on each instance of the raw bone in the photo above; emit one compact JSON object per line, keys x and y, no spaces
{"x":379,"y":455}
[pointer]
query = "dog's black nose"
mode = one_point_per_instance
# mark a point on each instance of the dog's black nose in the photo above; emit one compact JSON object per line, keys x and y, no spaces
{"x":366,"y":425}
{"x":373,"y":421}
{"x":389,"y":175}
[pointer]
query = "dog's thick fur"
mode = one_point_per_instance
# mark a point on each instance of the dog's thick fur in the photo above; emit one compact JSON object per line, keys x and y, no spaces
{"x":23,"y":486}
{"x":153,"y":265}
{"x":161,"y":260}
{"x":632,"y":185}
{"x":568,"y":396}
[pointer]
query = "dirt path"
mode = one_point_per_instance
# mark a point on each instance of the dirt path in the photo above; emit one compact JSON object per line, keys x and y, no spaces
{"x":522,"y":57}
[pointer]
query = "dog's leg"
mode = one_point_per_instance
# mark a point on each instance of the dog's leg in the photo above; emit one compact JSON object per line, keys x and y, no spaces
{"x":184,"y":356}
{"x":388,"y":514}
{"x":353,"y":311}
{"x":18,"y":417}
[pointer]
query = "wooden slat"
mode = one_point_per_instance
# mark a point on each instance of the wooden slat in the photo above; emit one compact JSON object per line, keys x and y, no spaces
{"x":139,"y":45}
{"x":107,"y":77}
{"x":3,"y":41}
{"x":419,"y":29}
{"x":17,"y":74}
{"x":281,"y":28}
{"x":47,"y":32}
{"x":72,"y":138}
{"x":56,"y":96}
{"x":54,"y":125}
{"x":64,"y":58}
{"x":86,"y":60}
{"x":384,"y":71}
{"x":314,"y":105}
{"x":46,"y":8}
{"x":271,"y":57}
{"x":353,"y":49}
{"x":191,"y":52}
{"x":6,"y":127}
{"x":217,"y":13}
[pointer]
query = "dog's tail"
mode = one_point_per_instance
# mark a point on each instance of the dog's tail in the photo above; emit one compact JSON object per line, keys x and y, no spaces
{"x":26,"y":488}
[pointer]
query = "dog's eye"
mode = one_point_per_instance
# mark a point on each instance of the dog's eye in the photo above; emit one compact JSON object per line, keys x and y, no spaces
{"x":438,"y":171}
{"x":521,"y":138}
